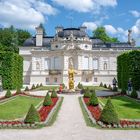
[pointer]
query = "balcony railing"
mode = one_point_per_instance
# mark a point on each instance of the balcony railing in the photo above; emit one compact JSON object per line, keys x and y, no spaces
{"x":87,"y":72}
{"x":54,"y":72}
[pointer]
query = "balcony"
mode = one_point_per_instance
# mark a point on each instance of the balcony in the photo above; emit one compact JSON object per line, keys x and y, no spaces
{"x":87,"y":72}
{"x":54,"y":72}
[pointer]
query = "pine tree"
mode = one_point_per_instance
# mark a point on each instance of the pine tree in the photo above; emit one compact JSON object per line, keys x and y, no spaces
{"x":109,"y":87}
{"x":54,"y":94}
{"x":47,"y":100}
{"x":109,"y":114}
{"x":105,"y":86}
{"x":32,"y":115}
{"x":93,"y":99}
{"x":8,"y":94}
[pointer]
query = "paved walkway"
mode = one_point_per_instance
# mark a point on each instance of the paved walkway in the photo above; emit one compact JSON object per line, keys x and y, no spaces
{"x":70,"y":125}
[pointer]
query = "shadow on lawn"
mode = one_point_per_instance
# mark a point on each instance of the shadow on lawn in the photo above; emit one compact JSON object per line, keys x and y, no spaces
{"x":127,"y":102}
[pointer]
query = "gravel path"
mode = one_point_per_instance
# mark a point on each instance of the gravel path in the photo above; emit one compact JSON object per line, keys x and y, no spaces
{"x":70,"y":125}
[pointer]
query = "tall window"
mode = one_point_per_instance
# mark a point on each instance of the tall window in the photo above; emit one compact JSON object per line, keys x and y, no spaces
{"x":57,"y":63}
{"x":47,"y":63}
{"x":95,"y":64}
{"x":105,"y":66}
{"x":37,"y":65}
{"x":85,"y":63}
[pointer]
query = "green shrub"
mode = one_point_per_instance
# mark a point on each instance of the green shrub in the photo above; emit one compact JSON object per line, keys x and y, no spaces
{"x":123,"y":91}
{"x":32,"y":115}
{"x":101,"y":84}
{"x":54,"y":94}
{"x":33,"y":87}
{"x":8,"y":93}
{"x":109,"y":87}
{"x":109,"y":114}
{"x":47,"y":100}
{"x":134,"y":94}
{"x":26,"y":89}
{"x":37,"y":86}
{"x":63,"y":85}
{"x":87,"y":93}
{"x":83,"y":91}
{"x":128,"y":66}
{"x":80,"y":86}
{"x":105,"y":86}
{"x":11,"y":70}
{"x":18,"y":91}
{"x":93,"y":99}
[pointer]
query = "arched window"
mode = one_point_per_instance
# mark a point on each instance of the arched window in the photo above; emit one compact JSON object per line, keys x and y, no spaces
{"x":105,"y":66}
{"x":37,"y":65}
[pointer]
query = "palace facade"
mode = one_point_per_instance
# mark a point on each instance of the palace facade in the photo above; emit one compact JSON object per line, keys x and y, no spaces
{"x":47,"y":58}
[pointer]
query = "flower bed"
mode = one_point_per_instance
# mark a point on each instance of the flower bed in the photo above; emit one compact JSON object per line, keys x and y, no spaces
{"x":45,"y":110}
{"x":96,"y":112}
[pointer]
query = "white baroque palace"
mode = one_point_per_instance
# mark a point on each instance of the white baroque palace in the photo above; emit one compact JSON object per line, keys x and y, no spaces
{"x":47,"y":59}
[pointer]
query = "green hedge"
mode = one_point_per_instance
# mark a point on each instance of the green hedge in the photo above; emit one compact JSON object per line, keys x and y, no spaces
{"x":11,"y":70}
{"x":128,"y":66}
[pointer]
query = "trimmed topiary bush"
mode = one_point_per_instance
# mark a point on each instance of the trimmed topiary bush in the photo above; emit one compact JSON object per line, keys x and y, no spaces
{"x":37,"y":86}
{"x":18,"y":91}
{"x":47,"y":100}
{"x":109,"y":87}
{"x":63,"y":85}
{"x":54,"y":94}
{"x":101,"y":84}
{"x":134,"y":94}
{"x":8,"y":93}
{"x":26,"y":89}
{"x":105,"y":86}
{"x":93,"y":99}
{"x":80,"y":86}
{"x":87,"y":93}
{"x":109,"y":114}
{"x":33,"y":87}
{"x":32,"y":115}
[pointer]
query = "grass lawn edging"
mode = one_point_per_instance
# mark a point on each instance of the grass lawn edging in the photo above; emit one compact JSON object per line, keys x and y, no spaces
{"x":124,"y":124}
{"x":19,"y":124}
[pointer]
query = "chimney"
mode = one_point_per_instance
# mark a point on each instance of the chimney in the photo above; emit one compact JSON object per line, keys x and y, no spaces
{"x":58,"y":29}
{"x":83,"y":28}
{"x":39,"y":36}
{"x":129,"y":36}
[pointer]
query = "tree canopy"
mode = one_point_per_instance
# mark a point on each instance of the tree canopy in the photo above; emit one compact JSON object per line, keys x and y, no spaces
{"x":100,"y":33}
{"x":11,"y":38}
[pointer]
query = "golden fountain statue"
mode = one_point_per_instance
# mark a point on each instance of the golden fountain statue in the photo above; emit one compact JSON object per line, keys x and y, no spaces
{"x":71,"y":75}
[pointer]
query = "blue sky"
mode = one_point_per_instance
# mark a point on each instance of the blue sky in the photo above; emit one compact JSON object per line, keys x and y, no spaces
{"x":117,"y":16}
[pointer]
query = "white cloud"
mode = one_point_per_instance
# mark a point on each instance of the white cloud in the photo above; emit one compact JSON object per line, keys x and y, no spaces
{"x":24,"y":13}
{"x":86,"y":5}
{"x":135,"y":13}
{"x":90,"y":25}
{"x":110,"y":29}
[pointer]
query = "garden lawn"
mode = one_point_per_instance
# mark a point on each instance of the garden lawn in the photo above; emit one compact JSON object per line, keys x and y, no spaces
{"x":95,"y":88}
{"x":18,"y":107}
{"x":47,"y":88}
{"x":126,"y":108}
